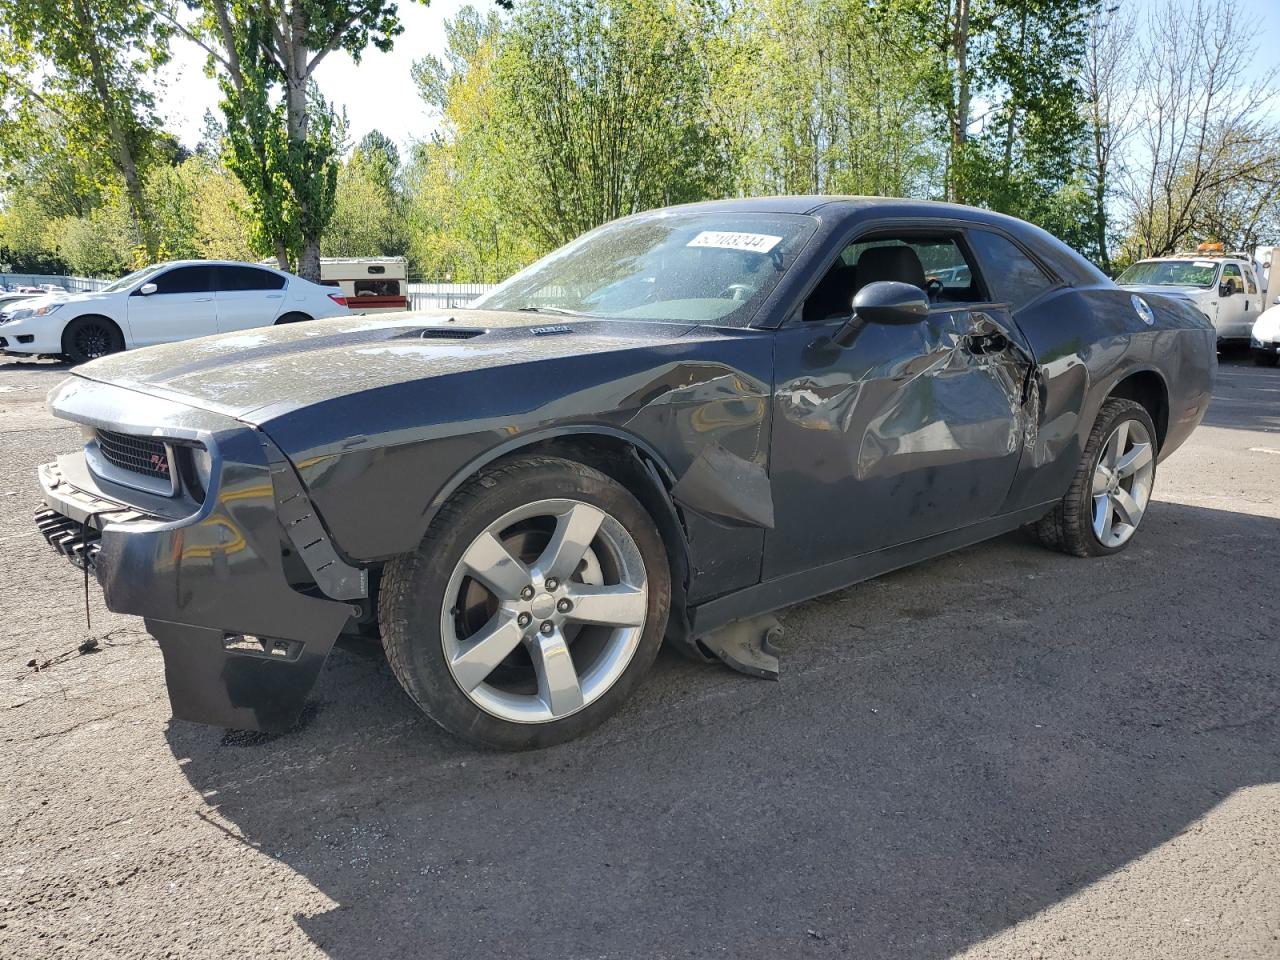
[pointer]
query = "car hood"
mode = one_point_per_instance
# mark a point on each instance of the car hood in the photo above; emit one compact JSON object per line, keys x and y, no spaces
{"x":1166,"y":290}
{"x":256,"y":375}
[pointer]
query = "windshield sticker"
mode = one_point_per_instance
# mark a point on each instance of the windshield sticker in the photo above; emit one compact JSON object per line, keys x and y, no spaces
{"x":726,"y":240}
{"x":1204,"y":263}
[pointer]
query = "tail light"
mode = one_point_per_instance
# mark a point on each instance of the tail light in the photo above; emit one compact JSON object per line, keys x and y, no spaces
{"x":339,"y":299}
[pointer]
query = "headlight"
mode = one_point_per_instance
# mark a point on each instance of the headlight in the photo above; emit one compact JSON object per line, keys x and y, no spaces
{"x":23,"y":312}
{"x":202,"y":464}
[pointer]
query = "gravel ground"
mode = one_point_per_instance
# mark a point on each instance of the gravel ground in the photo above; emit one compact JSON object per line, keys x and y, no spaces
{"x":1001,"y":753}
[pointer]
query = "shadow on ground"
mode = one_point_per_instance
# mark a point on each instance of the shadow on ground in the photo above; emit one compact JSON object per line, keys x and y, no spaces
{"x":1246,"y":397}
{"x":951,"y":749}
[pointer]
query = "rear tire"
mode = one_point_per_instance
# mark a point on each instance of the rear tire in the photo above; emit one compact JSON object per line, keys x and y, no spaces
{"x":294,"y":317}
{"x":532,"y":608}
{"x":1264,"y":358}
{"x":1111,"y":487}
{"x":88,"y":338}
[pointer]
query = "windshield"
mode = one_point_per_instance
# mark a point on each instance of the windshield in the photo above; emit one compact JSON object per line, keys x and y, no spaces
{"x":662,"y":266}
{"x":132,"y":278}
{"x":1171,"y":273}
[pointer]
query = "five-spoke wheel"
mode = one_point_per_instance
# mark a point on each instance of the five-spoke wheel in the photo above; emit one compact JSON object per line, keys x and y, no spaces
{"x":555,"y":592}
{"x":1122,"y":483}
{"x":1111,"y":490}
{"x":536,"y":601}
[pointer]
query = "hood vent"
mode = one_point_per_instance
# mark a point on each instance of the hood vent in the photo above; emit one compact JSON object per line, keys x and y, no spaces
{"x":441,"y":333}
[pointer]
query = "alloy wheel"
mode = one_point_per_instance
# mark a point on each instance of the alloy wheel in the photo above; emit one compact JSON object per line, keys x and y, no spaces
{"x":544,"y":611}
{"x":93,"y":341}
{"x":1122,"y":483}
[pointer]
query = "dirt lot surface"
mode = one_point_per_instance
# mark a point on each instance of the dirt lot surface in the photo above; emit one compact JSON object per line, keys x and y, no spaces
{"x":1002,"y":753}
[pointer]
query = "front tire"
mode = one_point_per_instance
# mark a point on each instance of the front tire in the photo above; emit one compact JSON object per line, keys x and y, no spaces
{"x":1265,"y":358}
{"x":535,"y":603}
{"x":88,"y":338}
{"x":1112,"y":486}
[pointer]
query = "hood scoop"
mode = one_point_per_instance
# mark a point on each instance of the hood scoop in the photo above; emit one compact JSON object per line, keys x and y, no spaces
{"x":441,"y":333}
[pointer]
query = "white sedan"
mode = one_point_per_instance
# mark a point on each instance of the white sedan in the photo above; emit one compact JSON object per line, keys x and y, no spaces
{"x":162,"y":303}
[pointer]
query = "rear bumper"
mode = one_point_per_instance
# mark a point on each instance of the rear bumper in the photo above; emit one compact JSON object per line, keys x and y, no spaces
{"x":242,"y":644}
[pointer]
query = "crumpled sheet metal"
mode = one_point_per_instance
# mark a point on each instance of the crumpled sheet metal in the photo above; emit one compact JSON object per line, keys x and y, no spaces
{"x":721,"y":484}
{"x":927,"y":412}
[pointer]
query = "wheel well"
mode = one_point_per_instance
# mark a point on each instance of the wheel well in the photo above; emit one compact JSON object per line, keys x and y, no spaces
{"x":293,"y":316}
{"x":91,"y":316}
{"x":1147,"y":388}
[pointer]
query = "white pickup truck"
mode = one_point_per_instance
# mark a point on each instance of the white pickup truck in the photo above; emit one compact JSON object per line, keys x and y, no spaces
{"x":1224,"y":287}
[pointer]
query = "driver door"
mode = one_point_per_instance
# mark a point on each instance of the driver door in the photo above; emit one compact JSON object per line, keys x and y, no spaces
{"x":910,"y":432}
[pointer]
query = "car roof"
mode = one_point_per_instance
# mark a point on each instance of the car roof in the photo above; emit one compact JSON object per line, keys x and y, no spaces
{"x":1179,"y":257}
{"x":217,"y":263}
{"x":843,"y":204}
{"x":1068,"y":263}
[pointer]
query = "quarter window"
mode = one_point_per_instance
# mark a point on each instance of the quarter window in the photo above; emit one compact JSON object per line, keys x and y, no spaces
{"x":1249,"y":281}
{"x":184,"y":280}
{"x":248,"y":278}
{"x":1014,"y":277}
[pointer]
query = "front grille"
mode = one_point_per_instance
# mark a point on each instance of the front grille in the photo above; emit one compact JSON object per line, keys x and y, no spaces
{"x":143,"y":455}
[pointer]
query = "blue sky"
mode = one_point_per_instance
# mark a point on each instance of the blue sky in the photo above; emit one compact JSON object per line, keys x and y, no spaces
{"x":379,"y":94}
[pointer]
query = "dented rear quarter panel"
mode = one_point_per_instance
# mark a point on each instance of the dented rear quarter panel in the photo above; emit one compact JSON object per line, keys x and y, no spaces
{"x":1085,"y":341}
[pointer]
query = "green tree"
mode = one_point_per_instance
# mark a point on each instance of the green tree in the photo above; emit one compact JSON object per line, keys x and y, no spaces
{"x":578,"y":112}
{"x":90,"y":66}
{"x":826,"y":96}
{"x":284,"y":152}
{"x":365,"y":214}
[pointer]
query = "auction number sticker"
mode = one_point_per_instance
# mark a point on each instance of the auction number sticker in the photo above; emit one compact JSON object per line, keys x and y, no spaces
{"x":727,"y":240}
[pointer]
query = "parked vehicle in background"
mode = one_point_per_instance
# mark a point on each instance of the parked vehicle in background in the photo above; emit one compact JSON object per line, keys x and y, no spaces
{"x":1224,"y":287}
{"x":680,"y":421}
{"x":370,"y":284}
{"x":1268,"y":279}
{"x":171,"y":301}
{"x":7,"y":299}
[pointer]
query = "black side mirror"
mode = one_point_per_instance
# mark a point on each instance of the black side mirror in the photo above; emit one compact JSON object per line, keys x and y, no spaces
{"x":1225,"y":289}
{"x":885,"y":301}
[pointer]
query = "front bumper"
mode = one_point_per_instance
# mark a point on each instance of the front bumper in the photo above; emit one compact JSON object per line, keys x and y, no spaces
{"x":243,"y":637}
{"x":31,"y":336}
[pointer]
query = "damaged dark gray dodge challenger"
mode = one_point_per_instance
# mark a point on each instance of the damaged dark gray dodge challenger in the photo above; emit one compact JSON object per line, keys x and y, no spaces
{"x":676,"y":424}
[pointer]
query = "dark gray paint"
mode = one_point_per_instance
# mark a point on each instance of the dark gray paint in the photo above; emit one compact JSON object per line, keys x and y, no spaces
{"x":793,"y":466}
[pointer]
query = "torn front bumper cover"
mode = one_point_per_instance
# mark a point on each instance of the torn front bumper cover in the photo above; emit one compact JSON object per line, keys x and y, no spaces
{"x":242,"y":645}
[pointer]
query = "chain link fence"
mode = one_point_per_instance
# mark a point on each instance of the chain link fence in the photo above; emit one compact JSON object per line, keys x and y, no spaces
{"x":444,"y":296}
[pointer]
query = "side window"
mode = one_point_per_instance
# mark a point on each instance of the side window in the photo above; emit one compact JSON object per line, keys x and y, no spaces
{"x":1249,"y":282}
{"x":184,"y":280}
{"x":936,"y":263}
{"x":1013,"y":276}
{"x":1231,"y":275}
{"x":377,"y":288}
{"x":248,"y":278}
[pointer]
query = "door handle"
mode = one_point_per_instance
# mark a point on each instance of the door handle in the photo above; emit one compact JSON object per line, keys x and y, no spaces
{"x":275,"y":296}
{"x":202,"y":299}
